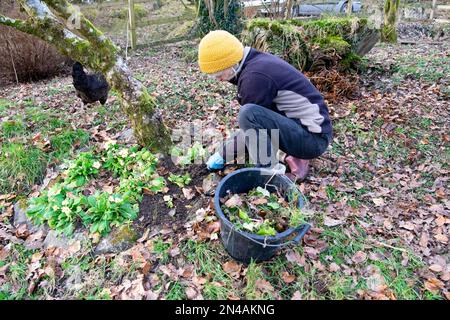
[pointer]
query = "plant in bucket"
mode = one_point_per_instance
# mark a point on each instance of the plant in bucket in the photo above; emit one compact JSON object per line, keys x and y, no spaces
{"x":259,"y":212}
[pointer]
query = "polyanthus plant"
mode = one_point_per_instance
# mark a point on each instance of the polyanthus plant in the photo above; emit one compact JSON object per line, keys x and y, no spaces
{"x":59,"y":207}
{"x":85,"y":166}
{"x":64,"y":204}
{"x":108,"y":210}
{"x":125,"y":162}
{"x":189,"y":155}
{"x":180,"y":181}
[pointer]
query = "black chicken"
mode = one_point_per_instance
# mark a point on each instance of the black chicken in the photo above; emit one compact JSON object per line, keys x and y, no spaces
{"x":89,"y":87}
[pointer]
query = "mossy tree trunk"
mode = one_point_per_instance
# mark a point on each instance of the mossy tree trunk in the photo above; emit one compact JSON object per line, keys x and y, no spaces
{"x":58,"y":23}
{"x":132,"y":23}
{"x":288,"y":12}
{"x":433,"y":10}
{"x":389,"y":31}
{"x":218,"y":14}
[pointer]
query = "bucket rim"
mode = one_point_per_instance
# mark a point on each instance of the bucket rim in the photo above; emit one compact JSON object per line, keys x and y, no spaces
{"x":219,"y":212}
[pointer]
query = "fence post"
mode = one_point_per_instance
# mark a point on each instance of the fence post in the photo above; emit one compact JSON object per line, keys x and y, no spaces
{"x":132,"y":23}
{"x":349,"y":7}
{"x":433,"y":10}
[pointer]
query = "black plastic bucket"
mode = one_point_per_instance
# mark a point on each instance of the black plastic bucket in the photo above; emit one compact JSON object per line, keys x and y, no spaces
{"x":244,"y":246}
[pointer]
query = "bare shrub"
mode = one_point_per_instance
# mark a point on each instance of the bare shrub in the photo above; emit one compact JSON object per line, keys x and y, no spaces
{"x":24,"y":57}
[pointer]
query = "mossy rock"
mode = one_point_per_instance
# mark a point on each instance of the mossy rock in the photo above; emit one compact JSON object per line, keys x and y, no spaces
{"x":118,"y":240}
{"x":279,"y":39}
{"x":336,"y":43}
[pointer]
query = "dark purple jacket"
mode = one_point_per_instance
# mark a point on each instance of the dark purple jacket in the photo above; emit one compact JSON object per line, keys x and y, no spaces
{"x":271,"y":82}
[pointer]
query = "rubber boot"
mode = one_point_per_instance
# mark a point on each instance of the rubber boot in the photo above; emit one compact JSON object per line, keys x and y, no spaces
{"x":299,"y":168}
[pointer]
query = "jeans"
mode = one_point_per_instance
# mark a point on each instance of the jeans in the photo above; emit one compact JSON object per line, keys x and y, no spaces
{"x":283,"y":133}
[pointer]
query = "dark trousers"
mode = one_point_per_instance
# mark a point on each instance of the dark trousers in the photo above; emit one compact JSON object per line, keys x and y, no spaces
{"x":273,"y":131}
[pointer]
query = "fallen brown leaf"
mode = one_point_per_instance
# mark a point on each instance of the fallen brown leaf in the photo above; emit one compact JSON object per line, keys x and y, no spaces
{"x":359,"y":257}
{"x":287,"y":277}
{"x":264,"y":286}
{"x":436,"y":268}
{"x":259,"y":201}
{"x":191,"y":293}
{"x":234,"y":201}
{"x":188,"y":193}
{"x":329,"y":222}
{"x":294,"y":257}
{"x":334,"y":267}
{"x":232,"y":268}
{"x":434,"y":285}
{"x":213,"y":227}
{"x":22,"y":232}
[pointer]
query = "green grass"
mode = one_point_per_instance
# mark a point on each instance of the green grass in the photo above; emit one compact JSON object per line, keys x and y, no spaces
{"x":12,"y":128}
{"x":16,"y":286}
{"x":189,"y":53}
{"x":400,"y":279}
{"x":161,"y":248}
{"x":176,"y":291}
{"x":429,"y":68}
{"x":64,"y":142}
{"x":21,"y":166}
{"x":254,"y":272}
{"x":5,"y":105}
{"x":206,"y":259}
{"x":96,"y":275}
{"x":22,"y":163}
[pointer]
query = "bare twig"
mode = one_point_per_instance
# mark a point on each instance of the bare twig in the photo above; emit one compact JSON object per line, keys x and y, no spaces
{"x":8,"y":44}
{"x":388,"y":246}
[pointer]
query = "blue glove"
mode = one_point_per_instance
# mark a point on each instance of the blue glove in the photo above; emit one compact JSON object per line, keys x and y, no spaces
{"x":215,"y":162}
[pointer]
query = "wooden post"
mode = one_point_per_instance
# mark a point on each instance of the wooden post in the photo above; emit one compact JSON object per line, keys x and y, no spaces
{"x":433,"y":10}
{"x":288,"y":9}
{"x":132,"y":23}
{"x":349,"y":7}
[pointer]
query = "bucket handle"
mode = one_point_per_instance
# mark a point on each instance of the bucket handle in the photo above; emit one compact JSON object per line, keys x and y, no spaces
{"x":301,"y":230}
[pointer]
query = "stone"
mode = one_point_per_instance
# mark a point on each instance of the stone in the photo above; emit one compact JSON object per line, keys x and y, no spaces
{"x":120,"y":239}
{"x":60,"y":240}
{"x":126,"y":136}
{"x":20,"y":217}
{"x":74,"y":281}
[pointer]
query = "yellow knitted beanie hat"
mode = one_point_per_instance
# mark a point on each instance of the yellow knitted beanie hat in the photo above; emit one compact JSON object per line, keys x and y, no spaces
{"x":219,"y":50}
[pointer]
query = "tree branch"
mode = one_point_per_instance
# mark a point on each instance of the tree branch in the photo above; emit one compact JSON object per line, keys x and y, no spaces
{"x":65,"y":10}
{"x":18,"y":24}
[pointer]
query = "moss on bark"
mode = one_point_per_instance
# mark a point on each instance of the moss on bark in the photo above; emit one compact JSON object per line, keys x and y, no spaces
{"x":389,"y":30}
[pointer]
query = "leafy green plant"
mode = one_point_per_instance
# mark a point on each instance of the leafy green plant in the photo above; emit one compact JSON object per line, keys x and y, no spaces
{"x":63,"y":204}
{"x":180,"y":181}
{"x":157,"y":185}
{"x":85,"y":166}
{"x":169,"y":201}
{"x":262,"y":212}
{"x":117,"y":159}
{"x":126,"y":162}
{"x":189,"y":155}
{"x":108,"y":210}
{"x":59,"y":207}
{"x":132,"y":186}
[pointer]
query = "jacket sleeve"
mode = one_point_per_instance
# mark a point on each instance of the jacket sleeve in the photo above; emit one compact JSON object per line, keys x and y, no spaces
{"x":257,"y":88}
